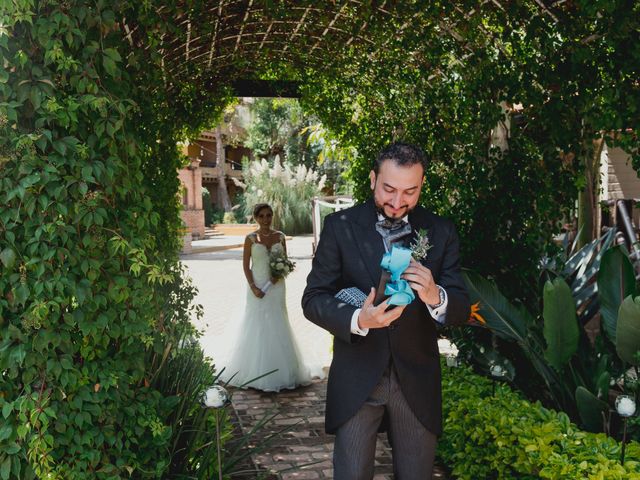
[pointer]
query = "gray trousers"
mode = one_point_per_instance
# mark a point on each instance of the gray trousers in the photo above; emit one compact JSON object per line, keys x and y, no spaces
{"x":413,"y":446}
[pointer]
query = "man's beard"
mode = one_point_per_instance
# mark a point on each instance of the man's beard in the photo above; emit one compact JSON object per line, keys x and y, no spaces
{"x":380,"y":211}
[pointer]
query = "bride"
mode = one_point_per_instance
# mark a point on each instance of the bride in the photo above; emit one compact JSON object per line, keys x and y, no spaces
{"x":266,"y":341}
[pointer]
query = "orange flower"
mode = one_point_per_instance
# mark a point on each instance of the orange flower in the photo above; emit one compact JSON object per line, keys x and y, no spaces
{"x":475,"y":318}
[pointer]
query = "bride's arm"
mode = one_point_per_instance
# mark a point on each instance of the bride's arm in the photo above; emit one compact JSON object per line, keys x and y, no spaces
{"x":246,"y":266}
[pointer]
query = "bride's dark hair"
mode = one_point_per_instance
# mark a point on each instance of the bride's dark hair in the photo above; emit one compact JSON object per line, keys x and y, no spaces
{"x":259,"y":207}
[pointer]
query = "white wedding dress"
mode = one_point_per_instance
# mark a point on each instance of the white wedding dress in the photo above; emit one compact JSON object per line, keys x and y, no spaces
{"x":265,"y":340}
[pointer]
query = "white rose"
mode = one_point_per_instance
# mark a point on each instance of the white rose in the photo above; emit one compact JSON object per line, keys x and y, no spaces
{"x":497,"y":371}
{"x":215,"y":397}
{"x":625,"y":405}
{"x":279,"y":265}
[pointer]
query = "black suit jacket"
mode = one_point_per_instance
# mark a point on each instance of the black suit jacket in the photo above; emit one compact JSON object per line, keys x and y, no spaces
{"x":348,"y":255}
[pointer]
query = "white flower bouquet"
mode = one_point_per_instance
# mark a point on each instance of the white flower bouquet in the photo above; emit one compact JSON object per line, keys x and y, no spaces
{"x":280,"y":264}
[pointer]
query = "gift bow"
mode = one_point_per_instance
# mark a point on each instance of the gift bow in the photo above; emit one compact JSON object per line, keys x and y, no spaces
{"x":395,"y":262}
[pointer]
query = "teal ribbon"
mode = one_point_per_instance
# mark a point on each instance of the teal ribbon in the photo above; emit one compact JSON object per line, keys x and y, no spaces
{"x":395,"y":262}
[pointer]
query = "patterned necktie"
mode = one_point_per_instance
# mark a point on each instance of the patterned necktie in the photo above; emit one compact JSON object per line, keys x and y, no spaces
{"x":392,"y":230}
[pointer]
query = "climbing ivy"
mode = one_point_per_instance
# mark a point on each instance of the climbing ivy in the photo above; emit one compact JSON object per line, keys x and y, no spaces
{"x":89,"y":235}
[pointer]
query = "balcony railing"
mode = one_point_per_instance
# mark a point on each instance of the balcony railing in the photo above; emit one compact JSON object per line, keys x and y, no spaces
{"x":214,"y":172}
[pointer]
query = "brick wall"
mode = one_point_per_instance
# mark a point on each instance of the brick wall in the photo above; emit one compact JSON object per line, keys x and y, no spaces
{"x":191,"y":179}
{"x":194,"y":220}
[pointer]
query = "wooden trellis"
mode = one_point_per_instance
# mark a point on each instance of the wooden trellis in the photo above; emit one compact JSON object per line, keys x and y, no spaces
{"x":302,"y":33}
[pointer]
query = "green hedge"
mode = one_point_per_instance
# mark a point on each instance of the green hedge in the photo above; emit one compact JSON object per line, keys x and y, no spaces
{"x":503,"y":436}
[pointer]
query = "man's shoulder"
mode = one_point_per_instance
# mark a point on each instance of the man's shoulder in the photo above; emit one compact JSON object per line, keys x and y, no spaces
{"x":348,"y":214}
{"x":428,"y":217}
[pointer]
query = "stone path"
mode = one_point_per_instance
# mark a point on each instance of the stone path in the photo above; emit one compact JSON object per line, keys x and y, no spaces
{"x":302,"y":450}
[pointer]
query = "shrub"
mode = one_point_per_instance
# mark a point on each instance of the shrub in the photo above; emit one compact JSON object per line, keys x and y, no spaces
{"x":207,"y":207}
{"x":288,"y":190}
{"x":503,"y":436}
{"x":229,"y":217}
{"x":551,"y":353}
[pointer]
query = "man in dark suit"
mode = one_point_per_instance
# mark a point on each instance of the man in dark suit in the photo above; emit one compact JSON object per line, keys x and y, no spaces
{"x":385,"y":360}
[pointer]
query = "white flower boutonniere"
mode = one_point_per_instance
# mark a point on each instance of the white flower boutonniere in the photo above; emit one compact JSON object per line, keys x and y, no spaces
{"x":421,"y":246}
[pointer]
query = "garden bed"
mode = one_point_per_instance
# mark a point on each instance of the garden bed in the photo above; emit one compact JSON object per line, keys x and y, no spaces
{"x":500,"y":435}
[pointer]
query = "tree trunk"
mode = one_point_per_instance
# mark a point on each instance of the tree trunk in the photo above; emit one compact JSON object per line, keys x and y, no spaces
{"x":588,"y":197}
{"x":500,"y":133}
{"x":223,"y":195}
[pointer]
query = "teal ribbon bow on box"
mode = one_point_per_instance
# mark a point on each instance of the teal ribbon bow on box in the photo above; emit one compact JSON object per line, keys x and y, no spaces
{"x":395,"y":262}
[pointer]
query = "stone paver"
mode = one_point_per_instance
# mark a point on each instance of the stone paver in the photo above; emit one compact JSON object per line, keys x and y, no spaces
{"x":302,"y":450}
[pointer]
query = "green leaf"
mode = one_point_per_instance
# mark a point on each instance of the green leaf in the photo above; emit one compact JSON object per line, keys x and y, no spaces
{"x":60,"y":147}
{"x":590,"y":409}
{"x":616,"y":280}
{"x":628,"y":330}
{"x":113,"y":54}
{"x":5,"y":468}
{"x":66,"y":363}
{"x":12,"y":449}
{"x":41,"y":143}
{"x":7,"y":408}
{"x":505,"y":319}
{"x":8,"y":257}
{"x":35,"y":96}
{"x":21,"y":293}
{"x":109,"y":65}
{"x":87,"y":173}
{"x":5,"y":431}
{"x":561,"y":330}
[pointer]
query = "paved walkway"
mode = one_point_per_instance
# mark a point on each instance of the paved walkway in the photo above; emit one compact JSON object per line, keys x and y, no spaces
{"x":302,"y":450}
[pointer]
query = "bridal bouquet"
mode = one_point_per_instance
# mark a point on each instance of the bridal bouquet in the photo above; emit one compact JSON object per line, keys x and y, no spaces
{"x":280,"y":264}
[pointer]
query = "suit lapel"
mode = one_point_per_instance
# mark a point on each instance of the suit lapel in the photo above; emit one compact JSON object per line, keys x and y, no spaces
{"x":370,"y":244}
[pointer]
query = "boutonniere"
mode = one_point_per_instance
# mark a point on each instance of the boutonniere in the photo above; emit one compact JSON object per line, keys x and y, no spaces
{"x":421,"y":246}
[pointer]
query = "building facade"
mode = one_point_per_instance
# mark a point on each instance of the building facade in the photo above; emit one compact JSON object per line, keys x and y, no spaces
{"x":203,"y":170}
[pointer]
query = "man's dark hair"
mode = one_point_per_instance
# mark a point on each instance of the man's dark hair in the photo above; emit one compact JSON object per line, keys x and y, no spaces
{"x":403,"y":154}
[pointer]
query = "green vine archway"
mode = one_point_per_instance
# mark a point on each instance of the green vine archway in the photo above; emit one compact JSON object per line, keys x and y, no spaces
{"x":95,"y":95}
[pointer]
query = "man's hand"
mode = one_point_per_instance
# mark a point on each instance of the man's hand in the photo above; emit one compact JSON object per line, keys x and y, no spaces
{"x":377,"y":317}
{"x":421,"y":280}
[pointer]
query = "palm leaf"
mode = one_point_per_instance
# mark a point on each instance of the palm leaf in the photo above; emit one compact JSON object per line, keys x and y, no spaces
{"x":616,"y":280}
{"x":591,"y":409}
{"x":628,"y":331}
{"x":506,"y":320}
{"x":560,"y":323}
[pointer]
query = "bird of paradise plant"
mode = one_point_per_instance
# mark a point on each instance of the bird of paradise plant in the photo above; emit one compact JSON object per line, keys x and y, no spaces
{"x":475,"y":318}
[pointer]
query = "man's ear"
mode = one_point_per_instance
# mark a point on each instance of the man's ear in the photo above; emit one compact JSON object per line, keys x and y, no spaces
{"x":372,"y":177}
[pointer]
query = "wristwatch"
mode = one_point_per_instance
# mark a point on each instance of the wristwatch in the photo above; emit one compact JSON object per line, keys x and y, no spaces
{"x":442,"y":297}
